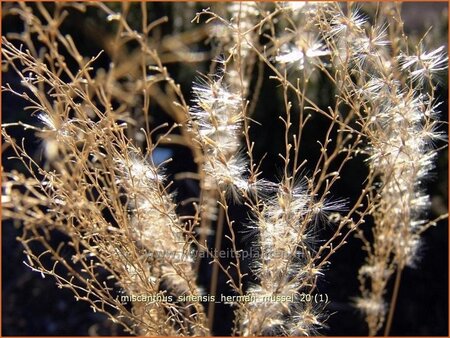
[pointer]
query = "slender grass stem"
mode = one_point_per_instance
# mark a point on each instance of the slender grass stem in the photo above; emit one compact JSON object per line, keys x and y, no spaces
{"x":390,"y":317}
{"x":215,"y":271}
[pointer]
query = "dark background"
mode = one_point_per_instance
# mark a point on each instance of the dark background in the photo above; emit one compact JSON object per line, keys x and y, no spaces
{"x":35,"y":306}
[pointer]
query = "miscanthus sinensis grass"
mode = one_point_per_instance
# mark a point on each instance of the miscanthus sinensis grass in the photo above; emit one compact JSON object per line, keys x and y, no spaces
{"x":396,"y":91}
{"x":101,"y":184}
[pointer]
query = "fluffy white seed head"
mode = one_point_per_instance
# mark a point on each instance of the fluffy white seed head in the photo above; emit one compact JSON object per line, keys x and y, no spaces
{"x":216,"y":117}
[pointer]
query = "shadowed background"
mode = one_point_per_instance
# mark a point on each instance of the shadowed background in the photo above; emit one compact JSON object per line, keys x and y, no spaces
{"x":35,"y":306}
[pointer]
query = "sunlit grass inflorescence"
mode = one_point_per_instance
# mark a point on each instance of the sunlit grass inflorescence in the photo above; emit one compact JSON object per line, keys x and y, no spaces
{"x":130,"y":231}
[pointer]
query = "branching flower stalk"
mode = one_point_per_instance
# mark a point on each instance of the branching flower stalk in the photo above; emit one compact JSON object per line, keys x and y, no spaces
{"x":83,"y":197}
{"x":102,"y":184}
{"x":158,"y":229}
{"x":219,"y":118}
{"x":397,"y":96}
{"x":216,"y":119}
